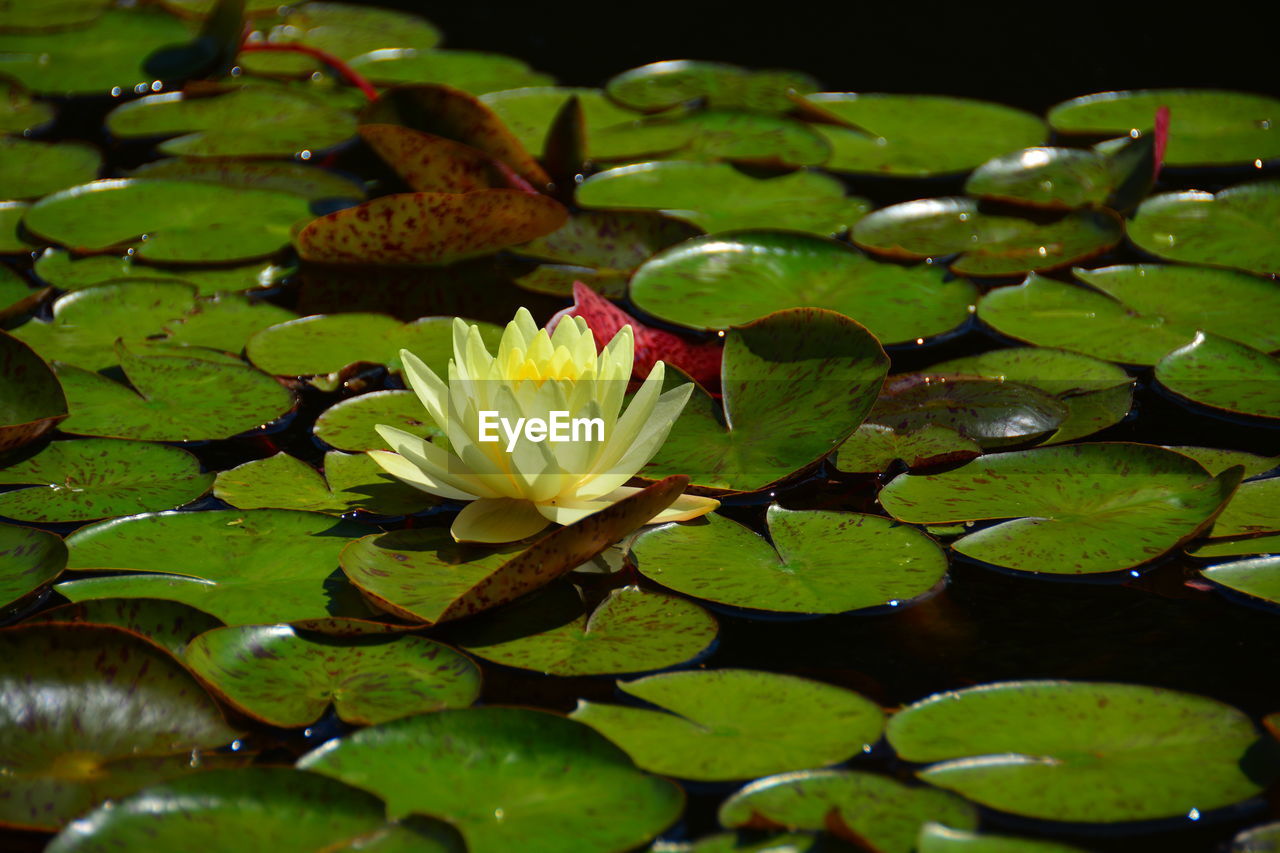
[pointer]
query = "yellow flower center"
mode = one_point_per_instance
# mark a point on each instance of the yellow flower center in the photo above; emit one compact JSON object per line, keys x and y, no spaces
{"x":560,"y":365}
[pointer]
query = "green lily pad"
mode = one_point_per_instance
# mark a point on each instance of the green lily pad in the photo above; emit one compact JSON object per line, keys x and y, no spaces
{"x":287,"y":678}
{"x":343,"y":30}
{"x":1216,"y":460}
{"x":735,"y":723}
{"x":796,"y":384}
{"x":717,"y":197}
{"x":1077,"y":509}
{"x":730,"y":279}
{"x":1259,"y":577}
{"x":471,"y":71}
{"x":251,"y":566}
{"x":95,"y":478}
{"x":90,"y":60}
{"x":12,"y":241}
{"x":988,"y":244}
{"x":173,"y":398}
{"x":266,"y":808}
{"x":1238,"y":547}
{"x":508,"y":778}
{"x":349,"y":425}
{"x":632,"y":630}
{"x":109,"y":714}
{"x":1253,"y":510}
{"x":224,"y":322}
{"x":937,"y":838}
{"x":309,"y":182}
{"x":1238,"y":227}
{"x":349,"y":482}
{"x":31,"y":399}
{"x":181,"y":221}
{"x":744,"y":137}
{"x":611,"y":130}
{"x":16,"y":296}
{"x":660,"y":85}
{"x":1131,"y":753}
{"x":873,"y":448}
{"x":1207,"y":127}
{"x":752,"y":842}
{"x":29,"y":559}
{"x":992,"y":412}
{"x":252,"y":121}
{"x":1056,"y":178}
{"x":886,"y":813}
{"x":32,"y":169}
{"x":1096,"y":394}
{"x":18,"y":112}
{"x":165,"y":623}
{"x":65,"y":272}
{"x":921,"y":135}
{"x":1260,"y":839}
{"x":1223,"y":374}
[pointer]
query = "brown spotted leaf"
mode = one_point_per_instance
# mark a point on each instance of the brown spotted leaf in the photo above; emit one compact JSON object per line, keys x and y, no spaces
{"x":430,"y":163}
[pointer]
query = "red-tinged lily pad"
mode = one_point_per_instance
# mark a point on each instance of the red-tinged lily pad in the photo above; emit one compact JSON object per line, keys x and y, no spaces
{"x":430,"y":163}
{"x":813,"y":561}
{"x":735,"y":723}
{"x":31,"y":399}
{"x":1077,"y":509}
{"x":429,"y":227}
{"x":29,"y":559}
{"x":349,"y":425}
{"x":1132,"y":752}
{"x":32,"y":169}
{"x":94,"y":478}
{"x":288,"y":677}
{"x":165,"y":623}
{"x":1259,"y":577}
{"x":245,"y":567}
{"x":796,"y":384}
{"x":109,"y":714}
{"x":425,"y":576}
{"x":300,"y":179}
{"x":992,"y":412}
{"x":884,"y":812}
{"x":349,"y":482}
{"x":66,"y":272}
{"x":1223,"y":374}
{"x":259,"y":808}
{"x":508,"y":778}
{"x":661,"y":85}
{"x":873,"y":448}
{"x":1238,"y":227}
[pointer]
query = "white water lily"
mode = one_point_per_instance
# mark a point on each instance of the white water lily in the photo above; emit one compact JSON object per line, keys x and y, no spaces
{"x":520,"y":482}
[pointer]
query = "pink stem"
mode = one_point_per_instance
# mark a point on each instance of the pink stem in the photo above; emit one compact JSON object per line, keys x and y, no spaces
{"x":1162,"y":137}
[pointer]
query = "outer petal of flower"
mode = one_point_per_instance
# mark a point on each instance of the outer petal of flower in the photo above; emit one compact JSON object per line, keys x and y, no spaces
{"x":404,"y":470}
{"x":430,"y":389}
{"x":686,"y":507}
{"x":494,"y":520}
{"x":435,"y":462}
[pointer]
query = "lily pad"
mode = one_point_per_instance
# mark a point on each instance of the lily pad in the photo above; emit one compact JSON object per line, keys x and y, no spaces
{"x":886,"y":813}
{"x":169,"y":221}
{"x":610,"y":134}
{"x":1260,"y":839}
{"x":173,"y":398}
{"x":1216,"y":460}
{"x":1238,"y":227}
{"x":921,"y":135}
{"x":1259,"y":577}
{"x":988,"y":244}
{"x":873,"y":448}
{"x":95,"y":478}
{"x":65,"y":272}
{"x":632,"y":630}
{"x":32,"y":169}
{"x":165,"y":623}
{"x":1207,"y":127}
{"x":731,"y":279}
{"x":19,"y":113}
{"x":937,"y":838}
{"x":472,"y":71}
{"x":717,"y":197}
{"x":287,"y":677}
{"x":1253,"y":510}
{"x":1056,"y":178}
{"x":1077,"y":509}
{"x":12,"y":240}
{"x":660,"y":85}
{"x":508,"y":778}
{"x":1223,"y":374}
{"x":1131,"y":752}
{"x":29,"y":559}
{"x":743,"y":137}
{"x":1238,"y":547}
{"x":243,"y":566}
{"x":349,"y":425}
{"x":109,"y":714}
{"x":31,"y":399}
{"x":735,"y":723}
{"x":224,"y":322}
{"x":349,"y":482}
{"x":310,"y":182}
{"x":796,"y":384}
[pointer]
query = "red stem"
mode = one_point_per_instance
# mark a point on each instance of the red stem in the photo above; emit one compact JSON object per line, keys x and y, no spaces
{"x":352,"y":76}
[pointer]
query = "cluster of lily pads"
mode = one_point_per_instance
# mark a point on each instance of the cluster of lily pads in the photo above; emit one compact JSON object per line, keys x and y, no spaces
{"x":226,"y":623}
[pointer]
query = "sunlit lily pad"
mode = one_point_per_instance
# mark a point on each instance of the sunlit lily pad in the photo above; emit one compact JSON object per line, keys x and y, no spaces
{"x":224,"y":322}
{"x":29,"y":559}
{"x":888,"y":814}
{"x":471,"y":71}
{"x":109,"y":714}
{"x":1253,"y":510}
{"x":729,"y":279}
{"x":921,"y":135}
{"x":508,"y":778}
{"x":660,"y":85}
{"x":173,"y":398}
{"x":18,"y":112}
{"x":166,"y":623}
{"x":813,"y":561}
{"x":743,"y":137}
{"x":796,"y":384}
{"x":717,"y":197}
{"x":988,"y":244}
{"x":349,"y":425}
{"x":735,"y":723}
{"x":342,"y":29}
{"x":32,"y":169}
{"x":1259,"y":577}
{"x":1207,"y":127}
{"x":310,"y":182}
{"x":1237,"y":227}
{"x":1216,"y":460}
{"x":874,"y":448}
{"x":12,"y":241}
{"x":992,"y":412}
{"x":65,"y":272}
{"x":1076,"y":509}
{"x":1215,"y":548}
{"x":938,"y":838}
{"x":243,"y":566}
{"x":31,"y":399}
{"x":181,"y":221}
{"x":266,"y":808}
{"x":100,"y":477}
{"x":610,"y":132}
{"x":1044,"y":177}
{"x":349,"y":482}
{"x":1132,"y":753}
{"x":1223,"y":374}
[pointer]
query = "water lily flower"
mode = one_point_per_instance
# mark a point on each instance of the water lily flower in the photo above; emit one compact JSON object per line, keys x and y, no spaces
{"x":536,"y":434}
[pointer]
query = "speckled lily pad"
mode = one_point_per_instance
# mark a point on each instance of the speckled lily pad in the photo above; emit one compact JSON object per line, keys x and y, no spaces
{"x":65,"y":272}
{"x":349,"y":482}
{"x":873,"y":448}
{"x":992,"y":412}
{"x":29,"y":559}
{"x":166,"y":623}
{"x":349,"y":425}
{"x":1223,"y":374}
{"x":31,"y":169}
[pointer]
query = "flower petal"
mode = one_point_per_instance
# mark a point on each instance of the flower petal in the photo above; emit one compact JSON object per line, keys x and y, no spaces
{"x":405,"y":471}
{"x":430,"y":389}
{"x":495,"y":520}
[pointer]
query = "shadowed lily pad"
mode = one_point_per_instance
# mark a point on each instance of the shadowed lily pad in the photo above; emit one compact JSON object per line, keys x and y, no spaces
{"x":11,"y":241}
{"x":1076,"y":509}
{"x":29,"y":559}
{"x":1237,"y":227}
{"x":64,"y":272}
{"x":18,"y":112}
{"x":660,"y":85}
{"x":1259,"y":577}
{"x":31,"y":399}
{"x":873,"y":448}
{"x":992,"y":412}
{"x":99,"y":477}
{"x":349,"y":425}
{"x":32,"y":169}
{"x":1260,"y":839}
{"x":729,"y":279}
{"x":1253,"y":510}
{"x":735,"y":723}
{"x":109,"y":714}
{"x":165,"y":623}
{"x":309,"y":182}
{"x":349,"y":482}
{"x":743,"y":137}
{"x":508,"y":778}
{"x":472,"y":71}
{"x":1238,"y":547}
{"x":1223,"y":374}
{"x":937,"y":838}
{"x":1131,"y":752}
{"x":342,"y":29}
